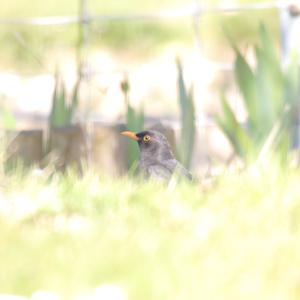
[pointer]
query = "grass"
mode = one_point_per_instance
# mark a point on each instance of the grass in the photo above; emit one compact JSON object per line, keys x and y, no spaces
{"x":238,"y":240}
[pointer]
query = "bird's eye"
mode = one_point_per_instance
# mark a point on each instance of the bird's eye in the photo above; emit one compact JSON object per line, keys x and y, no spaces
{"x":147,"y":138}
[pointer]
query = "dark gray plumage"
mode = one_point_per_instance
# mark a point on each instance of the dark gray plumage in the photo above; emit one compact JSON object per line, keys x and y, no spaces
{"x":156,"y":158}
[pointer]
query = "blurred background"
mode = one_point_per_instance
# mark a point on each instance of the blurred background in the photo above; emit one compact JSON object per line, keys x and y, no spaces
{"x":105,"y":44}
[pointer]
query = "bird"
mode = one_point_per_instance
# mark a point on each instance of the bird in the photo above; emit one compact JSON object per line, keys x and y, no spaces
{"x":157,"y":160}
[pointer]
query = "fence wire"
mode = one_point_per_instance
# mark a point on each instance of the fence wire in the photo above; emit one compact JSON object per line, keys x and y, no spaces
{"x":185,"y":12}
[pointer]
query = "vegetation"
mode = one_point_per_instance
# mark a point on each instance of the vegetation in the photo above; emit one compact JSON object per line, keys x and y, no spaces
{"x":135,"y":120}
{"x":239,"y":239}
{"x":7,"y":119}
{"x":188,"y":126}
{"x":270,"y":94}
{"x":63,"y":111}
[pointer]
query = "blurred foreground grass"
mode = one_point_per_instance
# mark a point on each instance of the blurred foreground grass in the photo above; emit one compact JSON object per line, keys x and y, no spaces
{"x":238,"y":240}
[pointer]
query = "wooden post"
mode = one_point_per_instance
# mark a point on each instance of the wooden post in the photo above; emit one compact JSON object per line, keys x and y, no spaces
{"x":67,"y":147}
{"x":108,"y":149}
{"x":25,"y":146}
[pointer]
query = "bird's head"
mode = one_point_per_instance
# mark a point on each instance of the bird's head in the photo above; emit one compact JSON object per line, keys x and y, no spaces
{"x":151,"y":143}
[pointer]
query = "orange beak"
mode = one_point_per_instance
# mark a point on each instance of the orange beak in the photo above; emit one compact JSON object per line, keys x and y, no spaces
{"x":130,"y":134}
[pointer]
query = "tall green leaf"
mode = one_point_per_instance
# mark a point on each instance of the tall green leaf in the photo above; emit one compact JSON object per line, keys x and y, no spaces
{"x":236,"y":133}
{"x":188,"y":127}
{"x":134,"y":122}
{"x":63,"y":111}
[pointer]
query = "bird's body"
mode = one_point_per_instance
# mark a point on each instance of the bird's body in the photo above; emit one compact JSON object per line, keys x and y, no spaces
{"x":156,"y":158}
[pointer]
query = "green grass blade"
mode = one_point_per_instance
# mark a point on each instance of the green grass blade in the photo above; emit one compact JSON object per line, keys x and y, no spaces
{"x":188,"y":127}
{"x":247,"y":84}
{"x":235,"y":132}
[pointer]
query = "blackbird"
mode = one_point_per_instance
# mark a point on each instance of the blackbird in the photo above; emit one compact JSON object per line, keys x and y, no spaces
{"x":156,"y":158}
